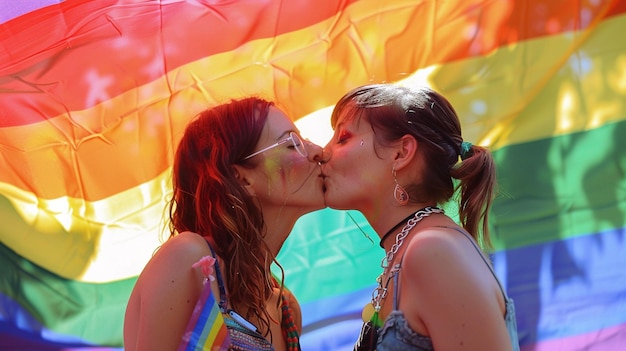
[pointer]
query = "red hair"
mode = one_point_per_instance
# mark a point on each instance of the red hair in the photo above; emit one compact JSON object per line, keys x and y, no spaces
{"x":209,"y":200}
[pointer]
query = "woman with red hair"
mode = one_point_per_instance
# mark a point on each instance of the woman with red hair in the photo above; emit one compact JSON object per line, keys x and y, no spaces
{"x":242,"y":176}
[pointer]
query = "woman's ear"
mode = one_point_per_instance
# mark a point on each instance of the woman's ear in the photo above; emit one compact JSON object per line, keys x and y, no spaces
{"x":405,"y":152}
{"x":243,"y":177}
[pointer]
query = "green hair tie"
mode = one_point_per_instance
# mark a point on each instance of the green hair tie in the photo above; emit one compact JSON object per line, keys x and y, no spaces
{"x":466,"y":147}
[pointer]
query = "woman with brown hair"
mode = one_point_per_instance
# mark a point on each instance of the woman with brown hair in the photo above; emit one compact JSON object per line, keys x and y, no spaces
{"x":393,"y":156}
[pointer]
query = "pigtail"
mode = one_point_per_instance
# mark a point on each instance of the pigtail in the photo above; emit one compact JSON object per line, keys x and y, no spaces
{"x":477,"y":176}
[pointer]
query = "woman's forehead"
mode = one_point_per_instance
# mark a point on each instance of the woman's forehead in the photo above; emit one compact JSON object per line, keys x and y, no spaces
{"x":278,"y":124}
{"x":352,"y":118}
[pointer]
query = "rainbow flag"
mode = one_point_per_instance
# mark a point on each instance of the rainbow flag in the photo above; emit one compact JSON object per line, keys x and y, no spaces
{"x":206,"y":330}
{"x":94,"y":96}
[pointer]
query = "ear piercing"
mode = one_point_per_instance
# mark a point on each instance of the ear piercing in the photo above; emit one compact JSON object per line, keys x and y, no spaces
{"x":401,"y":196}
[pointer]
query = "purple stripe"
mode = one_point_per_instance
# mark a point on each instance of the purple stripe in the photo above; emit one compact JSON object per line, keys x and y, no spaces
{"x":566,"y":288}
{"x":15,"y":8}
{"x":613,"y":338}
{"x":19,"y":330}
{"x":202,"y":320}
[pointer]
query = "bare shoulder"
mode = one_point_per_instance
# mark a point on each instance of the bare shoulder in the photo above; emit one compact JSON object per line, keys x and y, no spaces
{"x":436,"y":253}
{"x":165,"y":293}
{"x":172,"y":262}
{"x":454,"y":296}
{"x":186,"y":242}
{"x":433,"y":248}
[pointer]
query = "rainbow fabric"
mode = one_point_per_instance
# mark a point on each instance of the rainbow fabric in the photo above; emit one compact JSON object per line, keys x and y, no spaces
{"x":206,"y":330}
{"x":94,"y":96}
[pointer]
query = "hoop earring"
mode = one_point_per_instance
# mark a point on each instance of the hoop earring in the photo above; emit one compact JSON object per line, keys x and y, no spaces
{"x":401,"y":196}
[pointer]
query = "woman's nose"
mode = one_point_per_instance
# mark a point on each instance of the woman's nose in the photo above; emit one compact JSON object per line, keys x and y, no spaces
{"x":315,"y":152}
{"x":324,"y":157}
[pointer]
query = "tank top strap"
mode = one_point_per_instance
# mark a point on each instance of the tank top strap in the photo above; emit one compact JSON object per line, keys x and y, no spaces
{"x":396,"y":274}
{"x":220,"y":281}
{"x":480,"y":253}
{"x":509,"y":315}
{"x":396,"y":270}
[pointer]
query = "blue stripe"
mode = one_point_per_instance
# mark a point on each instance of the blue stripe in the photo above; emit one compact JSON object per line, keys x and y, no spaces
{"x":561,"y":289}
{"x":19,"y":330}
{"x":206,"y":320}
{"x":568,"y":287}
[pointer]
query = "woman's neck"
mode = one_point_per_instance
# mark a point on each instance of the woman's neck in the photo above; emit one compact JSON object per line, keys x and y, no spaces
{"x":279,"y":225}
{"x":391,"y":221}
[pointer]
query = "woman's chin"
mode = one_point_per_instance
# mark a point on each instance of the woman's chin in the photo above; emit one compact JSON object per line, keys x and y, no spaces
{"x":331,"y":203}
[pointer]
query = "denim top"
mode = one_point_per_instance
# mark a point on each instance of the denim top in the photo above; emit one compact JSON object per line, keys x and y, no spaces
{"x":397,"y":335}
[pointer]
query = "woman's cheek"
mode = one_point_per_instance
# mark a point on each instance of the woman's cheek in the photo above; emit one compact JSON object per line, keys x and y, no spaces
{"x":272,"y":165}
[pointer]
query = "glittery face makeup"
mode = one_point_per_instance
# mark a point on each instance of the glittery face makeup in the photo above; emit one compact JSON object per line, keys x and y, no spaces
{"x":354,"y":169}
{"x":286,"y":177}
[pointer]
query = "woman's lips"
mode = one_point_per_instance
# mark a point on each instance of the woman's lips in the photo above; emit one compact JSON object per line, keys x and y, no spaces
{"x":323,"y":177}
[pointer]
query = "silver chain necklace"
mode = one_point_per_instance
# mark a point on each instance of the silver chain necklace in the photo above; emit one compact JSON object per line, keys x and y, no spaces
{"x":378,"y":295}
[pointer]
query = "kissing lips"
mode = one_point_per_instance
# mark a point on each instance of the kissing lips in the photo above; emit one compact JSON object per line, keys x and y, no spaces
{"x":323,"y":177}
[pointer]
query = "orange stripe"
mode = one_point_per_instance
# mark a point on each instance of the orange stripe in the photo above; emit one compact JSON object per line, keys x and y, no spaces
{"x":94,"y":51}
{"x":221,"y":336}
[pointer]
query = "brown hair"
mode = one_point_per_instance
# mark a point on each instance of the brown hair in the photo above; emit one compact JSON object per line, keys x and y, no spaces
{"x":209,"y":200}
{"x":394,"y":111}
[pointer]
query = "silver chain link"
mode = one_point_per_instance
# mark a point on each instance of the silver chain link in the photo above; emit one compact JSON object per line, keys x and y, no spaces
{"x":379,"y":294}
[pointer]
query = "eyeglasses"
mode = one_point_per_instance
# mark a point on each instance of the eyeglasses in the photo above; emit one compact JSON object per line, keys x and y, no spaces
{"x":295,"y":140}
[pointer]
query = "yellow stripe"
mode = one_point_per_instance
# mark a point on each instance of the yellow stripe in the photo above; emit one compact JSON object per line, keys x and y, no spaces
{"x":538,"y":89}
{"x":218,"y":324}
{"x":98,"y":241}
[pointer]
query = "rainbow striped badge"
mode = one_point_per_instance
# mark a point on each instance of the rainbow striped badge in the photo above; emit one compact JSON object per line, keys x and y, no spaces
{"x":206,"y":330}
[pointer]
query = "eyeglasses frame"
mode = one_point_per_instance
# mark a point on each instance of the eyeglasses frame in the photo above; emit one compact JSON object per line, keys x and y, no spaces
{"x":292,"y":137}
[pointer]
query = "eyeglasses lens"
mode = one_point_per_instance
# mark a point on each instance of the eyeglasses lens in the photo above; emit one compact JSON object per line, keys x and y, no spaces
{"x":298,"y":144}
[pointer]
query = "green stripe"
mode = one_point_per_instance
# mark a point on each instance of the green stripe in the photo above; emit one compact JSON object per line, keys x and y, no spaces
{"x":328,"y":255}
{"x":560,"y":188}
{"x":93,"y":312}
{"x":556,"y":85}
{"x":550,"y":189}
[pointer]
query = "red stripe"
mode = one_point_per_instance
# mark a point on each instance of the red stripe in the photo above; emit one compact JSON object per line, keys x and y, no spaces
{"x":222,"y":337}
{"x":82,"y":53}
{"x":119,"y":45}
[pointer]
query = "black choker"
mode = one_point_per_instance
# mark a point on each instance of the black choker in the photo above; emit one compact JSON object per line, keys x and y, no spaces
{"x":397,"y":225}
